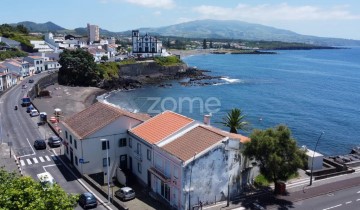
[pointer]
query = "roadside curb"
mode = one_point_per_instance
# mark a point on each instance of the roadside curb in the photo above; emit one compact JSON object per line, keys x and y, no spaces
{"x":17,"y":161}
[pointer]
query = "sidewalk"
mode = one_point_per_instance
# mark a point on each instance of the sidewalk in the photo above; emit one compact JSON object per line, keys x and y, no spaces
{"x":6,"y":160}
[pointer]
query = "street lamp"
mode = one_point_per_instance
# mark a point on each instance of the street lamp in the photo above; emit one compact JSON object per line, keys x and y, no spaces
{"x":192,"y":164}
{"x":107,"y":166}
{"x":312,"y":161}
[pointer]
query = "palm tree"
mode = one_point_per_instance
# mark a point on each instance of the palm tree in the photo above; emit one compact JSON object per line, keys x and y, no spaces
{"x":235,"y":121}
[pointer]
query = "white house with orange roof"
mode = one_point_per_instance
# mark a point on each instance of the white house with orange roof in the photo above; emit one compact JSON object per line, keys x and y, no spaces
{"x":190,"y":160}
{"x":5,"y":78}
{"x":92,"y":133}
{"x":37,"y":61}
{"x":147,"y":134}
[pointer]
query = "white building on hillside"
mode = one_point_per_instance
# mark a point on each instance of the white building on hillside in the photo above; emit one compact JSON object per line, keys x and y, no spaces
{"x":93,"y":33}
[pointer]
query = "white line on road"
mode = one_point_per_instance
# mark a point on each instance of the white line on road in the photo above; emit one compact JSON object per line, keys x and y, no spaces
{"x":348,"y":202}
{"x":86,"y":187}
{"x":47,"y":158}
{"x":22,"y":162}
{"x":358,"y":192}
{"x":30,"y":146}
{"x":41,"y":159}
{"x":35,"y":160}
{"x":28,"y":161}
{"x":358,"y":199}
{"x":333,"y":207}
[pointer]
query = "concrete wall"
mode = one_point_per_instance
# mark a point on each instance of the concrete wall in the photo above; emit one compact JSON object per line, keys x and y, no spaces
{"x":149,"y":68}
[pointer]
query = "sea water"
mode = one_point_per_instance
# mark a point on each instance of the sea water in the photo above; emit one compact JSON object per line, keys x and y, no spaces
{"x":310,"y":91}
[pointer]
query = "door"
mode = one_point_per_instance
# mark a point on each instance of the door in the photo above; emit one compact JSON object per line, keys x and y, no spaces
{"x":71,"y":156}
{"x":123,"y":162}
{"x":149,"y":179}
{"x":130,"y":164}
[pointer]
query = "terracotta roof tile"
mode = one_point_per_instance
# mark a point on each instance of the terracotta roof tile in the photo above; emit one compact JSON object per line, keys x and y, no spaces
{"x":96,"y":117}
{"x":161,"y":126}
{"x":243,"y":139}
{"x":195,"y":141}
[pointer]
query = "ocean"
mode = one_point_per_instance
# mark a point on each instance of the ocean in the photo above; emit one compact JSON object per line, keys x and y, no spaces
{"x":310,"y":91}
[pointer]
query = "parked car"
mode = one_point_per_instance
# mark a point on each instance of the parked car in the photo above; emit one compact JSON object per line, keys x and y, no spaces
{"x":125,"y":193}
{"x":54,"y":141}
{"x":34,"y":113}
{"x":29,"y":108}
{"x":46,"y":180}
{"x":40,"y":144}
{"x":87,"y":200}
{"x":31,"y":81}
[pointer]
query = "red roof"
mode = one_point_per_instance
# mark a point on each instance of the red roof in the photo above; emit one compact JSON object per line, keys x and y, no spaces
{"x":161,"y":126}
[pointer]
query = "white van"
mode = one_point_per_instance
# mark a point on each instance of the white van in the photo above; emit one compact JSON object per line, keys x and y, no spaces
{"x":46,"y":179}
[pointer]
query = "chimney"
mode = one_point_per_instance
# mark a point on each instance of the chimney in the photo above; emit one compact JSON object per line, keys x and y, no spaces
{"x":207,"y":118}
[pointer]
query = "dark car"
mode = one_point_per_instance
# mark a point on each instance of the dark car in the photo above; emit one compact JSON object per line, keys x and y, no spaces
{"x":88,"y":200}
{"x":31,"y":81}
{"x":40,"y":144}
{"x":54,"y":141}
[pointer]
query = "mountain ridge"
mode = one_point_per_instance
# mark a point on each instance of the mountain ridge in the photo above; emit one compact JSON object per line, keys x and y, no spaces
{"x":209,"y":29}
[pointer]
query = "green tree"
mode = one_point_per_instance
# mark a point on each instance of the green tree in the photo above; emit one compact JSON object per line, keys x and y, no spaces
{"x":22,"y":29}
{"x":104,"y":58}
{"x":78,"y":68}
{"x":235,"y":121}
{"x":18,"y":192}
{"x":276,"y":152}
{"x":204,"y":44}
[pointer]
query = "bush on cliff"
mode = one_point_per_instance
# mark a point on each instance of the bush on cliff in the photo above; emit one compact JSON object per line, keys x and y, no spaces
{"x":110,"y":70}
{"x":78,"y":68}
{"x":168,"y":61}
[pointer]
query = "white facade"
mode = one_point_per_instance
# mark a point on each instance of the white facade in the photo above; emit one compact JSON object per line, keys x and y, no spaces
{"x":146,"y":46}
{"x":41,"y":46}
{"x":91,"y":151}
{"x":314,"y":158}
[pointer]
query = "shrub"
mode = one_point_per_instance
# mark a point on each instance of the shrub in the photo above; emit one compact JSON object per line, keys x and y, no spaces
{"x":168,"y":61}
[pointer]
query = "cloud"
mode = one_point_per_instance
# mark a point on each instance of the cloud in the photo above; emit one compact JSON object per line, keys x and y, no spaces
{"x":267,"y":12}
{"x":157,"y":13}
{"x":166,"y":4}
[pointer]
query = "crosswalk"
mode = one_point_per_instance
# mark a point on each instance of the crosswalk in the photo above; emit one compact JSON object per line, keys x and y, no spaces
{"x":35,"y":160}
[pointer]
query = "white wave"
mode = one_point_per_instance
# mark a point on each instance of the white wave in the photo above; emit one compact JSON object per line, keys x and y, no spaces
{"x":230,"y":80}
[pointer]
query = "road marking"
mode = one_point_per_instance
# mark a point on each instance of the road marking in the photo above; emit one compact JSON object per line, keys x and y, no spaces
{"x":358,"y":192}
{"x":30,"y":146}
{"x":41,"y":159}
{"x":35,"y":160}
{"x":47,"y":158}
{"x":86,"y":187}
{"x":333,"y":207}
{"x":348,"y":202}
{"x":22,"y":162}
{"x":28,"y":161}
{"x":358,"y":199}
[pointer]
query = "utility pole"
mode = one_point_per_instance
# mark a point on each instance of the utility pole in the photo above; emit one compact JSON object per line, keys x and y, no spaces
{"x":312,"y":161}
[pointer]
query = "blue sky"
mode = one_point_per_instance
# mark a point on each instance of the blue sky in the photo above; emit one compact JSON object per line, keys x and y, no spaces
{"x":327,"y":18}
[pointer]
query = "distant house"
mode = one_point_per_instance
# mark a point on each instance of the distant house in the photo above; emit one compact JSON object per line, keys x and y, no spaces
{"x":5,"y":78}
{"x":37,"y":61}
{"x":41,"y":46}
{"x":98,"y":53}
{"x":83,"y":133}
{"x":146,"y":46}
{"x":18,"y":66}
{"x":10,"y":42}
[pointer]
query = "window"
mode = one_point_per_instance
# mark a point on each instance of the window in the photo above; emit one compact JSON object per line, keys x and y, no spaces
{"x":130,"y":142}
{"x":104,"y":145}
{"x":75,"y":143}
{"x":70,"y":139}
{"x":66,"y":134}
{"x":104,"y":162}
{"x":37,"y":62}
{"x":139,"y":168}
{"x":148,"y":154}
{"x":122,"y":142}
{"x":76,"y":160}
{"x":67,"y":149}
{"x":138,"y":149}
{"x":176,"y":172}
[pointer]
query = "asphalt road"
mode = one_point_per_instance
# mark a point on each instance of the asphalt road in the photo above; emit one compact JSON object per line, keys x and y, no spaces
{"x":347,"y":199}
{"x":22,"y":130}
